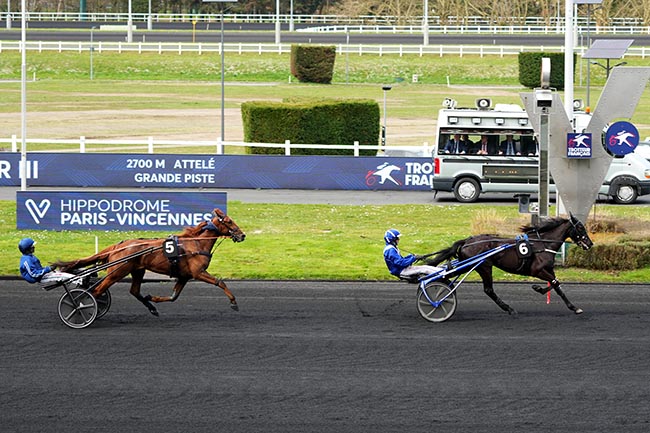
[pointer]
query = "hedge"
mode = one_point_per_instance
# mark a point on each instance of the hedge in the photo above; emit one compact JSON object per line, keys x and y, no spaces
{"x":311,"y":122}
{"x":530,"y":65}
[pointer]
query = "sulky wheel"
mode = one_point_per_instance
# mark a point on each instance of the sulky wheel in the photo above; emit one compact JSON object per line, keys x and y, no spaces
{"x":103,"y":303}
{"x":443,"y":302}
{"x":77,"y":308}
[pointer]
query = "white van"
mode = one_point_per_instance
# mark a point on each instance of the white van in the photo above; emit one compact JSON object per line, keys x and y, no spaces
{"x":469,"y":172}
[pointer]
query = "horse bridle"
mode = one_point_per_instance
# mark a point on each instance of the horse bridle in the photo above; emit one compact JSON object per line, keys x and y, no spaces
{"x":579,"y":236}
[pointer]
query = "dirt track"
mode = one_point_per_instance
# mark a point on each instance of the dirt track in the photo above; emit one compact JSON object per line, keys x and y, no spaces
{"x":330,"y":357}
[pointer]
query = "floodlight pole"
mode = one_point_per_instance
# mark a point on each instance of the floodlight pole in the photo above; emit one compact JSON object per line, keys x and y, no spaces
{"x":425,"y":24}
{"x":23,"y":97}
{"x":277,"y":21}
{"x":92,"y":48}
{"x":129,"y":25}
{"x":568,"y":61}
{"x":223,"y":111}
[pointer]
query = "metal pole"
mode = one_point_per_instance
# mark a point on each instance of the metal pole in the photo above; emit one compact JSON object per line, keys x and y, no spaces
{"x":23,"y":96}
{"x":383,"y":129}
{"x":8,"y":14}
{"x":92,"y":48}
{"x":277,"y":21}
{"x":425,"y":24}
{"x":129,"y":26}
{"x":347,"y":54}
{"x":588,"y":61}
{"x":543,"y":163}
{"x":568,"y":61}
{"x":149,"y":18}
{"x":223,"y":123}
{"x":291,"y":17}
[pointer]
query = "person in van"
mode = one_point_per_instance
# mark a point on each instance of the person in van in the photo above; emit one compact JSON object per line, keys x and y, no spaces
{"x":509,"y":146}
{"x":485,"y":146}
{"x":455,"y":145}
{"x":529,"y":146}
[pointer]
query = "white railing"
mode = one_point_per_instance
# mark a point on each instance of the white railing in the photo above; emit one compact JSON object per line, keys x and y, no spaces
{"x":150,"y":145}
{"x":313,"y":19}
{"x":263,"y":48}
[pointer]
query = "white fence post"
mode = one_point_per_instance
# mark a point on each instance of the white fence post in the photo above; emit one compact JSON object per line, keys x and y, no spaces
{"x":219,"y":146}
{"x":287,"y":147}
{"x":14,"y":143}
{"x":150,"y":147}
{"x":356,"y":148}
{"x":82,"y":144}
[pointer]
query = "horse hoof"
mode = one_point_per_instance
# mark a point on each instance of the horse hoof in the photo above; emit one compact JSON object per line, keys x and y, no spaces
{"x":235,"y":307}
{"x":578,"y":311}
{"x":512,"y":312}
{"x":154,"y":312}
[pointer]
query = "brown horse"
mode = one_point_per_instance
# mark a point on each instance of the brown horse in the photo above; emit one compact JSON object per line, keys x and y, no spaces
{"x":185,"y":257}
{"x":542,"y":244}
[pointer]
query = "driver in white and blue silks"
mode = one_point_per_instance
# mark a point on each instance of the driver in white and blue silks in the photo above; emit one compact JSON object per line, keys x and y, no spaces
{"x":33,"y":272}
{"x":402,"y":267}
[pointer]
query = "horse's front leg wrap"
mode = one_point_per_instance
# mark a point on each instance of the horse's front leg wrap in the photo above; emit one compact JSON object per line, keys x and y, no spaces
{"x":555,"y":284}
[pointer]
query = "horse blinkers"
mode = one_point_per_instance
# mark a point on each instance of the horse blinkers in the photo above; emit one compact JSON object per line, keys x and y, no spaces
{"x":579,"y":233}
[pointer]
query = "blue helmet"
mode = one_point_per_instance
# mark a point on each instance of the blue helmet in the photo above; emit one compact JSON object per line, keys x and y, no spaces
{"x":391,"y":236}
{"x":25,"y":245}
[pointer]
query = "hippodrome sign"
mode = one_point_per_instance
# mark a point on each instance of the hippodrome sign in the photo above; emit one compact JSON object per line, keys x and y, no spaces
{"x":74,"y":210}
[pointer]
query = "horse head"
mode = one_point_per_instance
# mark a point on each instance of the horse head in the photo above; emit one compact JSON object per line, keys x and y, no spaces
{"x":225,"y":226}
{"x":578,"y":233}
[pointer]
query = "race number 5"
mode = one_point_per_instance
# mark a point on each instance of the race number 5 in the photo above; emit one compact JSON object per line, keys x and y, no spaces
{"x":170,"y":248}
{"x":523,"y":249}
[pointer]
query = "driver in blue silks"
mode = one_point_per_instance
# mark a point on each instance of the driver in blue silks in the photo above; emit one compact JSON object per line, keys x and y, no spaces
{"x":33,"y":272}
{"x":402,"y":267}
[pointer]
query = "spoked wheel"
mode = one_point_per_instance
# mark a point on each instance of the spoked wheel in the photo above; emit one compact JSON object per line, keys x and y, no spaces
{"x":77,"y":308}
{"x":103,"y":303}
{"x":443,"y":302}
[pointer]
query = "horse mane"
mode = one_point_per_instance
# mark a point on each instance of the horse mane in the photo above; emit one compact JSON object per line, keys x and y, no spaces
{"x":193,"y":231}
{"x":547,"y":225}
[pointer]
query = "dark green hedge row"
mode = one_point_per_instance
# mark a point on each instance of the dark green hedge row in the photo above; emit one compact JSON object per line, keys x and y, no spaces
{"x":530,"y":67}
{"x":314,"y":122}
{"x":313,"y":64}
{"x":611,"y":257}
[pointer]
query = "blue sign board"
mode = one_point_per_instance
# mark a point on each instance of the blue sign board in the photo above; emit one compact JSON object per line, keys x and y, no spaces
{"x":622,"y":138}
{"x":74,"y":210}
{"x":578,"y":145}
{"x":218,"y":171}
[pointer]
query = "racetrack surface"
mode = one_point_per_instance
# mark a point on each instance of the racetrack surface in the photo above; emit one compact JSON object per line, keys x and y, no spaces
{"x":327,"y":357}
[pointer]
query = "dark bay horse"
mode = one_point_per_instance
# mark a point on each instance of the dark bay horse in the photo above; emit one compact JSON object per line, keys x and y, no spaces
{"x":544,"y":241}
{"x":193,"y":248}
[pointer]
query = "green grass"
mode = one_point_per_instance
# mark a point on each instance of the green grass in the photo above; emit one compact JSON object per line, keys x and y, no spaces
{"x":315,"y":241}
{"x":284,"y":241}
{"x":192,"y":81}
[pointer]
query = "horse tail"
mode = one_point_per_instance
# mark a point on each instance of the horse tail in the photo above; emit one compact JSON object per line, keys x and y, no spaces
{"x":447,"y":253}
{"x":96,"y":259}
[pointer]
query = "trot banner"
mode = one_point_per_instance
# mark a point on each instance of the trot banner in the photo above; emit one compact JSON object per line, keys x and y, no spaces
{"x":218,"y":171}
{"x":155,"y":211}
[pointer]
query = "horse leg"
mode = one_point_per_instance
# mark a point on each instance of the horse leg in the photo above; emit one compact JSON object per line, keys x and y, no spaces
{"x":207,"y":278}
{"x":178,"y":288}
{"x":486,"y":276}
{"x":137,"y":277}
{"x":555,"y":285}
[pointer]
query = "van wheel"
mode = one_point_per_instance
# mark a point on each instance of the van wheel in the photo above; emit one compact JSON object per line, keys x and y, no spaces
{"x":467,"y":190}
{"x":624,"y":194}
